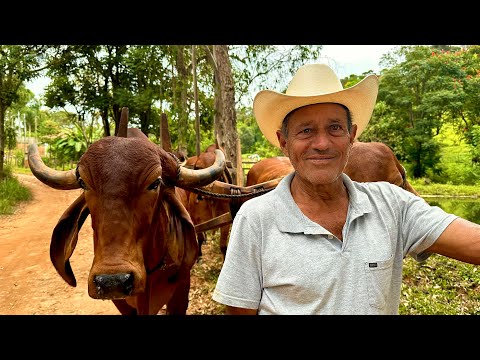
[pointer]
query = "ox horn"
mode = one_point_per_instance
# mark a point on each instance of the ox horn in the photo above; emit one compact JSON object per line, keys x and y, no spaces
{"x":189,"y":178}
{"x":123,"y":125}
{"x":165,"y":133}
{"x":61,"y":180}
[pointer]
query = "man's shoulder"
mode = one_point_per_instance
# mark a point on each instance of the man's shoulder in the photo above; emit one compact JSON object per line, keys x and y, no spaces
{"x":382,"y":189}
{"x":259,"y":200}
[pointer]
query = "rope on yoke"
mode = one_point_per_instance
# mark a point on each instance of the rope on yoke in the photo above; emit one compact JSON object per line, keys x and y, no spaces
{"x":235,"y":193}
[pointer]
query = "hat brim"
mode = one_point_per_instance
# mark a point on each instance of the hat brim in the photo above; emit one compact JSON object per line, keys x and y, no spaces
{"x":270,"y":107}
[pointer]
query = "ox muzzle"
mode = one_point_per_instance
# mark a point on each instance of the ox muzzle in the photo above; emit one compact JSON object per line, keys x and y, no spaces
{"x":113,"y":286}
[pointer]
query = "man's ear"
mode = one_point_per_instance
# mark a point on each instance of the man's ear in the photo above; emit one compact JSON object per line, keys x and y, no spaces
{"x":353,"y":133}
{"x":283,"y":142}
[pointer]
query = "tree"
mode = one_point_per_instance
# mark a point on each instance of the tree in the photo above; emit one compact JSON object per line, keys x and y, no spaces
{"x":150,"y":81}
{"x":225,"y":116}
{"x":97,"y":80}
{"x":86,"y":77}
{"x":18,"y":63}
{"x":416,"y":96}
{"x":464,"y":107}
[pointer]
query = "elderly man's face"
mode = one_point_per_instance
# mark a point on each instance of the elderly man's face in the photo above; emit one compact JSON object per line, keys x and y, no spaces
{"x":318,"y":142}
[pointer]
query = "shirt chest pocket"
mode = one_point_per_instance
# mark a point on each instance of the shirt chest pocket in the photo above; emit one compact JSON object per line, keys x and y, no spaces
{"x":379,"y":278}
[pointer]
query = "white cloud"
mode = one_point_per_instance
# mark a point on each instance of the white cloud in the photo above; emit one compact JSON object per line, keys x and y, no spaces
{"x":353,"y":59}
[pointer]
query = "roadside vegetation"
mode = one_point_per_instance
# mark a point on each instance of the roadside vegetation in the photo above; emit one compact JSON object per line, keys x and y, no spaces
{"x":12,"y":193}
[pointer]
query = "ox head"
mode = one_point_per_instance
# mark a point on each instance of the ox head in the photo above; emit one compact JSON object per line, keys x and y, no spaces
{"x":140,"y":226}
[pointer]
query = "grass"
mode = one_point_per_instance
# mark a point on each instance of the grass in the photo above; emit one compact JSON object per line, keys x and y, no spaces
{"x":12,"y":193}
{"x":440,"y":286}
{"x":445,"y":190}
{"x":22,"y":170}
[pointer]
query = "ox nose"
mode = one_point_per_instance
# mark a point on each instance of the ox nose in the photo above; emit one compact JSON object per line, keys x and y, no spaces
{"x":113,"y":286}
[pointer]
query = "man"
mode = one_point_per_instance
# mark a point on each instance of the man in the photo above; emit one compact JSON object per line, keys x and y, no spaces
{"x":320,"y":243}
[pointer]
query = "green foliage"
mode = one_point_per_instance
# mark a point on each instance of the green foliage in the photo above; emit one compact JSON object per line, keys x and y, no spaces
{"x":473,"y":139}
{"x":70,"y":145}
{"x":51,"y":124}
{"x":440,"y":285}
{"x":18,"y":63}
{"x":251,"y":138}
{"x":457,"y":167}
{"x":11,"y":193}
{"x":425,"y":89}
{"x":422,"y":89}
{"x":19,"y":157}
{"x":455,"y":160}
{"x":10,"y":137}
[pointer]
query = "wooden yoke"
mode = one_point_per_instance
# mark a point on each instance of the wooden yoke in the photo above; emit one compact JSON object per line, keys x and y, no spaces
{"x":237,"y":194}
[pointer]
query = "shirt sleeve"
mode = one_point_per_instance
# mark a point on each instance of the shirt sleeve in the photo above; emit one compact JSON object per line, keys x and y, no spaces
{"x":422,"y":225}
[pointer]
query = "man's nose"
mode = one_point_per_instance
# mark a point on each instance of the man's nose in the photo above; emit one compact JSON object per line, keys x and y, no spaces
{"x":321,"y":140}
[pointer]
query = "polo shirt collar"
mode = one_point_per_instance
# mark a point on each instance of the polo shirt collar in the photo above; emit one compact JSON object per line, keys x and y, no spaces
{"x":289,"y":217}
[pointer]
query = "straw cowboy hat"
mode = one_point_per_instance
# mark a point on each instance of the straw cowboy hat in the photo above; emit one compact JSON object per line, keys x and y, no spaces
{"x":313,"y":84}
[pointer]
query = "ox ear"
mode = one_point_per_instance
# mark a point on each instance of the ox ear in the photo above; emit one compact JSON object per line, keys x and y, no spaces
{"x":65,"y":236}
{"x":182,"y":244}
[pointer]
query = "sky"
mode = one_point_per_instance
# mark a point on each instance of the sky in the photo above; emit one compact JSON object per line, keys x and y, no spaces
{"x":343,"y":59}
{"x":353,"y":59}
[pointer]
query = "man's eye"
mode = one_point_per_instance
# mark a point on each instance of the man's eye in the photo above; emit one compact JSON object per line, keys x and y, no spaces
{"x":154,"y":185}
{"x":337,"y":130}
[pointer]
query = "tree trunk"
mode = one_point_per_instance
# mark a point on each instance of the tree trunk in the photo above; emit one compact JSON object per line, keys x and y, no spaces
{"x":106,"y":126}
{"x":225,"y":116}
{"x":2,"y":140}
{"x":195,"y":95}
{"x":182,"y":83}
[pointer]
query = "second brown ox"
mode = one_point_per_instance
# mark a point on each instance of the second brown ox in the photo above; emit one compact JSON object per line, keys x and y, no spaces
{"x":203,"y":208}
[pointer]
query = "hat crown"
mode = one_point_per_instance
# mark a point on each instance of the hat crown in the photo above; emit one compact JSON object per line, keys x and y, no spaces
{"x":314,"y":79}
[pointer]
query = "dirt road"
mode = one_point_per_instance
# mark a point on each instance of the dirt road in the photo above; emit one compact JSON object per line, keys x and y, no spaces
{"x":30,"y":285}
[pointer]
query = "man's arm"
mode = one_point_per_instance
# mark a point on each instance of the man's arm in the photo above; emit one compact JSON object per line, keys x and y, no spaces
{"x":460,"y":240}
{"x":231,"y":310}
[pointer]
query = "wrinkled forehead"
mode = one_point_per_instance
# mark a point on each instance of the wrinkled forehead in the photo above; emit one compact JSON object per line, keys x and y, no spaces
{"x":314,"y":114}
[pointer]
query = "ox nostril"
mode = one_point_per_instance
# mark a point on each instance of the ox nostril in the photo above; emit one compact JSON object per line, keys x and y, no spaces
{"x":114,"y":286}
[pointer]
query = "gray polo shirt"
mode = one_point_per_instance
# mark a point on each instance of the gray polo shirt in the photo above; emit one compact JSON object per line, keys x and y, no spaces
{"x":281,"y":262}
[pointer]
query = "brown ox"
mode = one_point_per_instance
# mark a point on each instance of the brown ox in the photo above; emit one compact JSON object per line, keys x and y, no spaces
{"x":269,"y":169}
{"x":368,"y":161}
{"x":144,"y":240}
{"x":203,"y":208}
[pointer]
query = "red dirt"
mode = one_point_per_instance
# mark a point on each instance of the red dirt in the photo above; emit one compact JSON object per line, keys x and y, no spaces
{"x":29,"y":283}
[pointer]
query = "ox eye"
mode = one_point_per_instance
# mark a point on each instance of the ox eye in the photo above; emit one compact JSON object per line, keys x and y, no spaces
{"x":82,"y":184}
{"x":155,"y":184}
